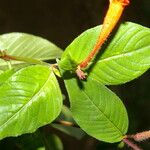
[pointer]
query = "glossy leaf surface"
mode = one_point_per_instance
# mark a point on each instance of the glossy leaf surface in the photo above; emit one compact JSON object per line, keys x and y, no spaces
{"x":125,"y":57}
{"x":26,"y":45}
{"x":29,"y":98}
{"x":97,"y":110}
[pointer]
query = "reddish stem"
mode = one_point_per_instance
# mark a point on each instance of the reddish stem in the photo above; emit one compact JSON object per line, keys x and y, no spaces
{"x":131,"y":144}
{"x":140,"y":136}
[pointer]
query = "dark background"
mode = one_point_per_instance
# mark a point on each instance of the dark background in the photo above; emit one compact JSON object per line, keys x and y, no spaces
{"x":60,"y":21}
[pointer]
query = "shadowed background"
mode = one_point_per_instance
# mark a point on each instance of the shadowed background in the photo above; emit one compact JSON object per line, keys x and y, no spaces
{"x":60,"y":21}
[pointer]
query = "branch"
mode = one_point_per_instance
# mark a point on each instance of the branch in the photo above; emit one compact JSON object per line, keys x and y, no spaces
{"x":140,"y":136}
{"x":66,"y":123}
{"x":131,"y":144}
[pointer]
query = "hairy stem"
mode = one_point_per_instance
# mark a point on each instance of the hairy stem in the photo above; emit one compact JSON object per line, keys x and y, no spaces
{"x":140,"y":136}
{"x":131,"y":144}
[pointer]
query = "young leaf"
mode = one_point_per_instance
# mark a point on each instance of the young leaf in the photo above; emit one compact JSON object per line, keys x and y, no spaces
{"x":97,"y":110}
{"x":126,"y":57}
{"x":29,"y":98}
{"x":26,"y":45}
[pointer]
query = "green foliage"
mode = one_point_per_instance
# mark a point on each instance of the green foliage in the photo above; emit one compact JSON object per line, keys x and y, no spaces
{"x":97,"y":110}
{"x":52,"y":142}
{"x":126,"y":57}
{"x":26,"y":45}
{"x":66,"y":115}
{"x":29,"y":98}
{"x":34,"y":141}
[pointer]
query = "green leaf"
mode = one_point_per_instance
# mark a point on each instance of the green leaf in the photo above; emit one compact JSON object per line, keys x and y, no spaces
{"x":25,"y":142}
{"x":52,"y":142}
{"x":126,"y":57}
{"x":5,"y":75}
{"x":97,"y":110}
{"x":26,"y":45}
{"x":29,"y":99}
{"x":1,"y":71}
{"x":72,"y":131}
{"x":65,"y":114}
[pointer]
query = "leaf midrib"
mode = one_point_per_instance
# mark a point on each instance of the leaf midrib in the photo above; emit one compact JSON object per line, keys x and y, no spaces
{"x":2,"y":64}
{"x":21,"y":108}
{"x":103,"y":113}
{"x":122,"y":55}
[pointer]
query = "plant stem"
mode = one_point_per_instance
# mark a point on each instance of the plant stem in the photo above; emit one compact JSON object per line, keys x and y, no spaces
{"x":6,"y":57}
{"x":140,"y":136}
{"x":131,"y":144}
{"x":66,"y":123}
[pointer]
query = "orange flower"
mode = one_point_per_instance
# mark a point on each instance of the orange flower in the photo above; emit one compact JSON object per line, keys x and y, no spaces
{"x":113,"y":14}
